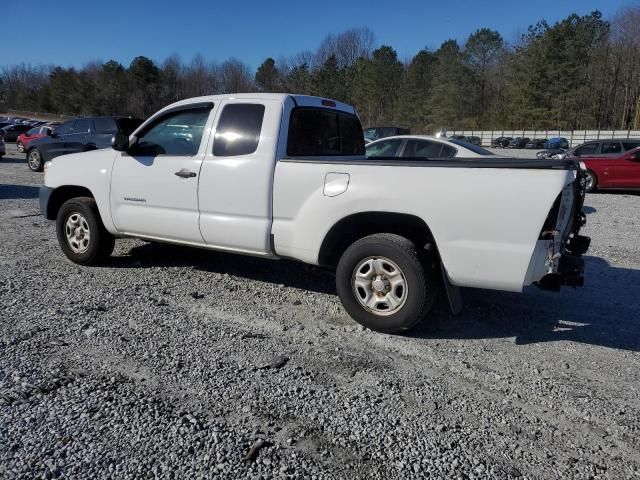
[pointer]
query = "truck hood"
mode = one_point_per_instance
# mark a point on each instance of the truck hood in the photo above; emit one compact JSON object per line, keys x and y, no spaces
{"x":77,"y":168}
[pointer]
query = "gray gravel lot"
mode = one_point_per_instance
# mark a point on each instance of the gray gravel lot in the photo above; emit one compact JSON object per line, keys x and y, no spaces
{"x":176,"y":363}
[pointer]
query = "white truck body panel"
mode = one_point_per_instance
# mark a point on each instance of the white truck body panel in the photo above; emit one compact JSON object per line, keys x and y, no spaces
{"x":485,"y":235}
{"x":486,"y":222}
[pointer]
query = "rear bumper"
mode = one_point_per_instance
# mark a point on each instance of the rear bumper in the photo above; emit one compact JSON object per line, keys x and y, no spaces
{"x":44,"y":197}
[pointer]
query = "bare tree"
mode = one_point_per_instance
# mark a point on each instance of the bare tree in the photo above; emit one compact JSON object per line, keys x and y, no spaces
{"x":236,"y":77}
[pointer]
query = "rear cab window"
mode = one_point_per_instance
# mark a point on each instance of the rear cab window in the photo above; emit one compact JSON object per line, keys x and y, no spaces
{"x":315,"y":131}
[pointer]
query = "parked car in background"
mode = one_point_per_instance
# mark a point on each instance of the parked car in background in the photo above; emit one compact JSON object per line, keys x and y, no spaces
{"x":80,"y":135}
{"x":376,"y":133}
{"x":5,"y":123}
{"x":518,"y":142}
{"x":557,"y":143}
{"x":424,"y":147}
{"x":621,"y":171}
{"x":3,"y":150}
{"x":460,"y":138}
{"x":602,"y":148}
{"x":536,"y":143}
{"x":10,"y":133}
{"x":500,"y":142}
{"x":474,"y":140}
{"x":22,"y":143}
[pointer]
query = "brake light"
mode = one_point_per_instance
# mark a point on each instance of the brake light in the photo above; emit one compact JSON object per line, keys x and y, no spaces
{"x":328,"y":103}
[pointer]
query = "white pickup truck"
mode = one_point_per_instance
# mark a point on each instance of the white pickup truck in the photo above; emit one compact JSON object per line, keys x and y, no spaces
{"x":285,"y":176}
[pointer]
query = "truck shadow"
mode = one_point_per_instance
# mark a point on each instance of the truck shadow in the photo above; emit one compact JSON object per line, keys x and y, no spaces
{"x":606,"y":312}
{"x":16,"y":192}
{"x":284,"y":272}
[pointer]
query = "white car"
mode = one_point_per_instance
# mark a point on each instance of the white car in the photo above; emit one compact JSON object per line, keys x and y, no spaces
{"x":285,"y":176}
{"x":424,"y":146}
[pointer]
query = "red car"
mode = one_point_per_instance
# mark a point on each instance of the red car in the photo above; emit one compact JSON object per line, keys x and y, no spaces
{"x":619,"y":172}
{"x":22,"y":143}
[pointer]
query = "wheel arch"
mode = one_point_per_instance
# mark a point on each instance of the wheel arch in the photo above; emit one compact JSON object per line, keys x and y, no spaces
{"x":61,"y":195}
{"x":358,"y":225}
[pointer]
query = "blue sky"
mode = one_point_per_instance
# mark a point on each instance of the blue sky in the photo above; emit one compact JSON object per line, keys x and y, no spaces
{"x":74,"y":32}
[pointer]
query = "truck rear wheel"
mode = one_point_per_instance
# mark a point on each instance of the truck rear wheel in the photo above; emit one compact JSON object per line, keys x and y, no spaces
{"x":383,"y":284}
{"x":81,"y":234}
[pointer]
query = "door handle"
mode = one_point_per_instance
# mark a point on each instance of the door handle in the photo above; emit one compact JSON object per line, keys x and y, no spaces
{"x":184,"y":173}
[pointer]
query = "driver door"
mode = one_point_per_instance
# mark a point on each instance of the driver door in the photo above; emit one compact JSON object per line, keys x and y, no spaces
{"x":154,"y":185}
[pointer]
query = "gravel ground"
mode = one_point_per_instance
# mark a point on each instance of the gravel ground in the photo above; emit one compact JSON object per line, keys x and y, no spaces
{"x":176,"y":363}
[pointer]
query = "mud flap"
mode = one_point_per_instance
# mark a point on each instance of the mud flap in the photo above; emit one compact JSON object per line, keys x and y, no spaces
{"x":454,"y":296}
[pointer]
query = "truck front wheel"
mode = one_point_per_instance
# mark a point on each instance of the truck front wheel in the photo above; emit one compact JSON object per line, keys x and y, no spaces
{"x":81,"y":234}
{"x":383,"y":284}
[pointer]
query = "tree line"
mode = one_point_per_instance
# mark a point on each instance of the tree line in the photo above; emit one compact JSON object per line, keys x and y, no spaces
{"x":583,"y":72}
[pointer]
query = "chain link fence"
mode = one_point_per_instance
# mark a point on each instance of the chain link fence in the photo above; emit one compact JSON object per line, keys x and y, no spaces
{"x":575,"y":137}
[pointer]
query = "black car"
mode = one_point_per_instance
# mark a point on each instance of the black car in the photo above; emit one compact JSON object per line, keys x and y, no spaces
{"x":460,"y":138}
{"x":518,"y":142}
{"x":501,"y":142}
{"x":79,"y":135}
{"x":536,"y":143}
{"x":475,"y":140}
{"x":10,"y":133}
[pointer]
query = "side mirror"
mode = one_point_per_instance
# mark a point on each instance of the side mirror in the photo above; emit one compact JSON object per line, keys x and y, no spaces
{"x":120,"y":142}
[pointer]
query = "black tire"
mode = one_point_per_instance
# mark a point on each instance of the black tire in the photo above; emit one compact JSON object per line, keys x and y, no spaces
{"x":420,"y":285}
{"x":34,"y":160}
{"x":591,"y":181}
{"x":100,"y":242}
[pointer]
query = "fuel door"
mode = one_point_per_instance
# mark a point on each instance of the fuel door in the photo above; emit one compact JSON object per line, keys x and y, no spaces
{"x":335,"y":184}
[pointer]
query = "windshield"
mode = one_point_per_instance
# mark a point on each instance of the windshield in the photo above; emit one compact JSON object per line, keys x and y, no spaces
{"x":472,"y":147}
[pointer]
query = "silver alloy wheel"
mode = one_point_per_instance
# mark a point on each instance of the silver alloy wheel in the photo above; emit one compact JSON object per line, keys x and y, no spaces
{"x":77,"y":231}
{"x":590,"y":182}
{"x":379,"y":285}
{"x":34,"y":159}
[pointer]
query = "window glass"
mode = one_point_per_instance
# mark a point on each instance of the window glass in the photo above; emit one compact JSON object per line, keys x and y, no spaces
{"x":472,"y":147}
{"x":64,"y":129}
{"x":319,"y":131}
{"x":384,"y":148}
{"x":611,"y":147}
{"x":238,"y":130}
{"x":176,"y":133}
{"x":630,"y":145}
{"x":371,"y":133}
{"x":34,"y":131}
{"x":422,"y":149}
{"x":587,"y":149}
{"x":105,"y":125}
{"x":81,"y":126}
